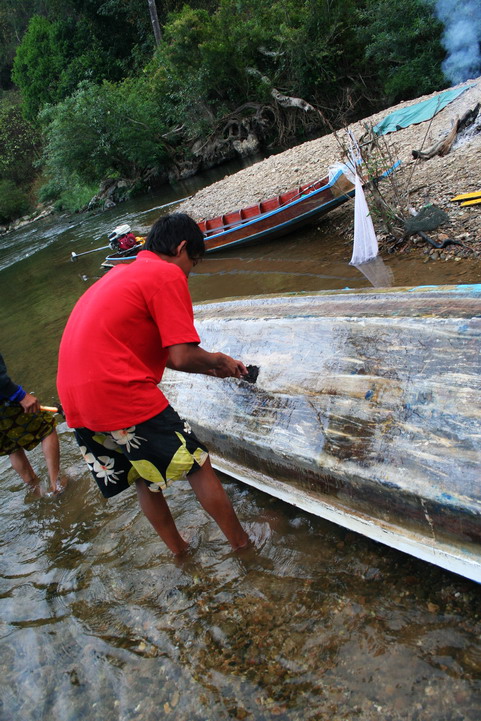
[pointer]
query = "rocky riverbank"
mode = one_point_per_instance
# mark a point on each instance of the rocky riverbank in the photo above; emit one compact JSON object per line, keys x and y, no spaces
{"x":433,"y":181}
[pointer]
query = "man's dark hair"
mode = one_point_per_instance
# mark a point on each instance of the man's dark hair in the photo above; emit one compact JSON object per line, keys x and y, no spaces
{"x":170,"y":230}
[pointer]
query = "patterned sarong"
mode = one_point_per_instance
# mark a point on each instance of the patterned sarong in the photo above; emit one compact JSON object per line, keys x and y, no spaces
{"x":22,"y":430}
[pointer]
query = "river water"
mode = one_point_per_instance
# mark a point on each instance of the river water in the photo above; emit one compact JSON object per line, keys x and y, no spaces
{"x":97,"y":621}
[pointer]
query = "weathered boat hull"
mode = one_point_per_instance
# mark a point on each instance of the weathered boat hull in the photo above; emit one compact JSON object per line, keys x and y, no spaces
{"x":366,"y":411}
{"x":269,"y":219}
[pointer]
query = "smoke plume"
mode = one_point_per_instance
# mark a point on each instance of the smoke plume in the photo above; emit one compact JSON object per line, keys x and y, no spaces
{"x":461,"y":38}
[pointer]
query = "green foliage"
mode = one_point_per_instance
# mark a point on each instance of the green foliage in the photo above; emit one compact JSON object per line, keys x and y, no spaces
{"x":211,"y":63}
{"x":242,"y":32}
{"x":111,"y":106}
{"x":14,"y":202}
{"x":14,"y":19}
{"x":177,"y":75}
{"x":67,"y":193}
{"x":321,"y":58}
{"x":38,"y":64}
{"x":104,"y":130}
{"x":403,"y":45}
{"x":84,"y":42}
{"x":19,"y":142}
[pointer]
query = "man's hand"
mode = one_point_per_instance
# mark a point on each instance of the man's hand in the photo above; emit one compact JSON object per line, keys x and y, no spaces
{"x":191,"y":358}
{"x":30,"y":404}
{"x":227,"y":367}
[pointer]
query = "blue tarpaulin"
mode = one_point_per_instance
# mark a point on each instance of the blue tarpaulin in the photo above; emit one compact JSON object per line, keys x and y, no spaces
{"x":418,"y":113}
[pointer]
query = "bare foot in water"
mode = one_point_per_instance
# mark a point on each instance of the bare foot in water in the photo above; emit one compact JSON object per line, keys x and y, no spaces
{"x":258,"y":533}
{"x":243,"y":546}
{"x":60,"y":485}
{"x":34,"y":487}
{"x":183,"y":550}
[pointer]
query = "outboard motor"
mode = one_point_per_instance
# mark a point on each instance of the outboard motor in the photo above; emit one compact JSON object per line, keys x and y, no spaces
{"x":116,"y":236}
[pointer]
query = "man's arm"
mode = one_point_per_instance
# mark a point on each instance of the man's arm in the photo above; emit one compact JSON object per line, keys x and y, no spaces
{"x":191,"y":358}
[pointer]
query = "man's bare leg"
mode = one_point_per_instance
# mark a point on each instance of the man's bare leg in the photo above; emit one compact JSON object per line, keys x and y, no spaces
{"x":211,"y":494}
{"x":51,"y":451}
{"x":158,"y":513}
{"x":21,"y":465}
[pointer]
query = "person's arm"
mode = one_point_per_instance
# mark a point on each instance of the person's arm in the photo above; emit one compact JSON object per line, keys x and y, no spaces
{"x":7,"y":386}
{"x":15,"y":393}
{"x":191,"y":358}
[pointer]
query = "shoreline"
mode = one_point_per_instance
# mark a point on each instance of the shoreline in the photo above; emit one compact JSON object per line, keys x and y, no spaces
{"x":433,"y":181}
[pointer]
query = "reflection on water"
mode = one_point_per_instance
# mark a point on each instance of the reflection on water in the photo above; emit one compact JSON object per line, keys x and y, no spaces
{"x":377,"y":272}
{"x":99,"y":622}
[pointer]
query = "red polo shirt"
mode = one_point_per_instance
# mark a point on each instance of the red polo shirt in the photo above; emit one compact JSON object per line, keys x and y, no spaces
{"x":114,"y":347}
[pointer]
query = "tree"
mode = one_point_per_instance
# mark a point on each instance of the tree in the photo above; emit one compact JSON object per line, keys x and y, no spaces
{"x":13,"y":201}
{"x":403,"y":46}
{"x":19,"y":143}
{"x":251,"y":53}
{"x":14,"y":19}
{"x":117,"y":103}
{"x":113,"y":129}
{"x":38,"y":64}
{"x":82,"y":41}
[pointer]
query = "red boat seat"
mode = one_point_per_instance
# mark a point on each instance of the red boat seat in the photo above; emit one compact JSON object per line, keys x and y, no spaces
{"x":202,"y":225}
{"x":309,"y":187}
{"x":287,"y":197}
{"x":233,"y":218}
{"x":251,"y":212}
{"x":214,"y":225}
{"x":271,"y":204}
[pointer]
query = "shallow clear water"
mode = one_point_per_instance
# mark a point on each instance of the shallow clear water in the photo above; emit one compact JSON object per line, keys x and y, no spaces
{"x":98,"y":621}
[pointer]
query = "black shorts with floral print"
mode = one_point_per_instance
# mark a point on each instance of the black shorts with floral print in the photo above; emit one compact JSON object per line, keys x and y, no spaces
{"x":160,"y":450}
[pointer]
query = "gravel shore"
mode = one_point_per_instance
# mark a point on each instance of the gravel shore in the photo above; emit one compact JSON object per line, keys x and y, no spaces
{"x":430,"y":181}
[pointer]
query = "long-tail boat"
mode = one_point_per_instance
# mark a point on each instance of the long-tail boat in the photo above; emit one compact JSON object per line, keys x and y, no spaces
{"x":268,"y":219}
{"x":366,"y":410}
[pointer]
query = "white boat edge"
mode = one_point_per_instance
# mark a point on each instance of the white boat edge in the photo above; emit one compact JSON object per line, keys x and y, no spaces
{"x":449,"y":557}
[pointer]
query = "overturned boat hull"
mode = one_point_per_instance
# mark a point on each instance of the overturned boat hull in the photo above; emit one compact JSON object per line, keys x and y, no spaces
{"x":366,"y":411}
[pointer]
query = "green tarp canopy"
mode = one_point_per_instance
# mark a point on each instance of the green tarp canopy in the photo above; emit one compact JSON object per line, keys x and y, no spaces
{"x":418,"y":113}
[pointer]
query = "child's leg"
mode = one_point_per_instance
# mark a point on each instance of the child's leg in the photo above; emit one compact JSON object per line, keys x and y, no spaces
{"x":21,"y":465}
{"x":51,"y":451}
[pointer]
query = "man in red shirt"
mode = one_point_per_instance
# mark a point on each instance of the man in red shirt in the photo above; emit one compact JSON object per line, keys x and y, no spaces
{"x":110,"y":364}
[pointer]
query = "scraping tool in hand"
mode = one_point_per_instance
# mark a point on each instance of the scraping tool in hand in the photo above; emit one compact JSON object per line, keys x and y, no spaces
{"x":53,"y":409}
{"x":253,"y":372}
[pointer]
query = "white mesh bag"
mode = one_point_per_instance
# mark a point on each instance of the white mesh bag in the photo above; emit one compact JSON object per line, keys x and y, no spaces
{"x":365,"y":245}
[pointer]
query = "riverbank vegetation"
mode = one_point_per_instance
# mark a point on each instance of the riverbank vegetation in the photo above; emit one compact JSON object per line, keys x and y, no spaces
{"x":93,"y":105}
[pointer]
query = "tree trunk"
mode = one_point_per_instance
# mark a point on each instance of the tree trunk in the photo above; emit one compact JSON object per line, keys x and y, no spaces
{"x":155,"y":21}
{"x":287,"y":101}
{"x":441,"y":148}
